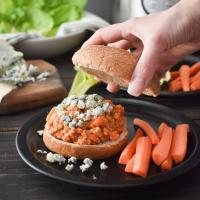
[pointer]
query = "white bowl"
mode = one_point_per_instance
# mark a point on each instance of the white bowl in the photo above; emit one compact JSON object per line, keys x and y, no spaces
{"x":50,"y":47}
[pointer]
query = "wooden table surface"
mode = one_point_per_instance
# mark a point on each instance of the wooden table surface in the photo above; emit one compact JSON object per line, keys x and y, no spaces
{"x":18,"y":181}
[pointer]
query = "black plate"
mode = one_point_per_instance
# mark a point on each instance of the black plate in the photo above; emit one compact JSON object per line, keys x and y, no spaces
{"x":28,"y":141}
{"x":189,"y":60}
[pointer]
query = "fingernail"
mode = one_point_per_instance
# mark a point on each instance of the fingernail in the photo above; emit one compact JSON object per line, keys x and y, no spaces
{"x":108,"y":88}
{"x":112,"y":88}
{"x":136,"y":87}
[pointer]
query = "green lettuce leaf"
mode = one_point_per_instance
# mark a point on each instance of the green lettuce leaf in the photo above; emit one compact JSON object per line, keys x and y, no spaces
{"x":82,"y":83}
{"x":40,"y":26}
{"x":6,"y":6}
{"x":65,"y":13}
{"x":41,"y":16}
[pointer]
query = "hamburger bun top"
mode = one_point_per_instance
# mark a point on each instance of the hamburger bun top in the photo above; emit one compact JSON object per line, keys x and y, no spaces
{"x":111,"y":65}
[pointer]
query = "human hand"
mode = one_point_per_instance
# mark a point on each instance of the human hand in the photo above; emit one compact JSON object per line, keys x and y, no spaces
{"x":162,"y":39}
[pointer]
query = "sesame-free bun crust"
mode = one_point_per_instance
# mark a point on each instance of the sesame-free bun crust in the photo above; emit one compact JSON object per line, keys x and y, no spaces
{"x":99,"y":151}
{"x":111,"y":65}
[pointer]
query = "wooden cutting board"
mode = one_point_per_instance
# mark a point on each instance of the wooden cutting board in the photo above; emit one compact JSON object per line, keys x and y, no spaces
{"x":36,"y":94}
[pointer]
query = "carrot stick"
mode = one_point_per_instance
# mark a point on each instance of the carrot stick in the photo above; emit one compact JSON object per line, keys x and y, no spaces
{"x":185,"y":77}
{"x":161,"y":128}
{"x":177,"y":79}
{"x":194,"y":68}
{"x":161,"y":150}
{"x":168,"y":163}
{"x":179,"y":143}
{"x":175,"y":85}
{"x":195,"y":77}
{"x":142,"y":156}
{"x":174,"y":74}
{"x":130,"y":164}
{"x":146,"y":127}
{"x":195,"y":85}
{"x":129,"y":150}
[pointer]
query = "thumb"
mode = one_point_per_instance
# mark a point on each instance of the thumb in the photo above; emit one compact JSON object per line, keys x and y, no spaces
{"x":144,"y":71}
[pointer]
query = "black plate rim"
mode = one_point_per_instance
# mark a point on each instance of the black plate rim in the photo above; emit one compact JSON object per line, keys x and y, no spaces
{"x":28,"y":158}
{"x":165,"y":94}
{"x":178,"y":94}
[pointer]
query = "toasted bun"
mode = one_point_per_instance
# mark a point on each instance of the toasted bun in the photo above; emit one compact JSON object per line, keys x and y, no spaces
{"x":99,"y":151}
{"x":111,"y":65}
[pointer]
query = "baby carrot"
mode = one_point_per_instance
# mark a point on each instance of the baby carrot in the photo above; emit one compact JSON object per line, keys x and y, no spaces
{"x":195,"y":77}
{"x":129,"y":150}
{"x":142,"y":156}
{"x":161,"y":150}
{"x":161,"y":128}
{"x":179,"y":143}
{"x":194,"y":68}
{"x":176,"y":80}
{"x":195,"y":85}
{"x":130,"y":164}
{"x":174,"y":74}
{"x":168,"y":163}
{"x":175,"y":85}
{"x":185,"y":77}
{"x":146,"y":127}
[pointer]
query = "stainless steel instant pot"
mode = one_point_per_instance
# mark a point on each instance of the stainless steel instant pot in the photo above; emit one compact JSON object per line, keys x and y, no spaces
{"x":126,"y":9}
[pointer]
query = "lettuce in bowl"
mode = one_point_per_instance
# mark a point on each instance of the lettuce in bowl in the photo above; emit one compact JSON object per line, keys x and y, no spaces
{"x":40,"y":16}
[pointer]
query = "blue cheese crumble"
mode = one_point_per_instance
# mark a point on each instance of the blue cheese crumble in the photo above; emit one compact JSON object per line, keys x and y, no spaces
{"x":40,"y":132}
{"x":72,"y":160}
{"x":103,"y":166}
{"x":94,"y":177}
{"x":50,"y":158}
{"x":55,"y":157}
{"x":41,"y":151}
{"x":69,"y":167}
{"x":84,"y":167}
{"x":13,"y":68}
{"x":87,"y":163}
{"x":90,"y":106}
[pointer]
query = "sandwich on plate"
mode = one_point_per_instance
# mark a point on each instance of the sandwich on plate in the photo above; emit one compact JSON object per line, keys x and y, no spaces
{"x":87,"y":126}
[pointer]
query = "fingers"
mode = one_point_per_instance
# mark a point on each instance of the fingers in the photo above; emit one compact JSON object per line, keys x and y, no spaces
{"x":112,"y":88}
{"x":122,"y":44}
{"x":108,"y":34}
{"x":144,"y":71}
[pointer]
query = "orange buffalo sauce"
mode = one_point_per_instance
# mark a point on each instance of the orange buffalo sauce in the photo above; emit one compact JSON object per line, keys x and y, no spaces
{"x":98,"y":126}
